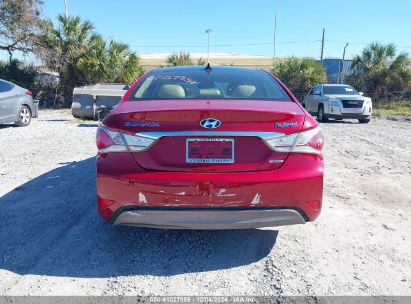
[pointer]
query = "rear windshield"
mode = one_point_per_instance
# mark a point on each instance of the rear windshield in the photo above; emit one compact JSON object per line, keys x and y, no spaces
{"x":342,"y":90}
{"x":196,"y":83}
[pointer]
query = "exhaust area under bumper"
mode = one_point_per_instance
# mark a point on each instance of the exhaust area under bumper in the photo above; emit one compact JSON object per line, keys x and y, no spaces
{"x":209,"y":219}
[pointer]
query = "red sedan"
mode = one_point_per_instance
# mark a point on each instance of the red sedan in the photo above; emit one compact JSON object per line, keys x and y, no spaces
{"x":209,"y":148}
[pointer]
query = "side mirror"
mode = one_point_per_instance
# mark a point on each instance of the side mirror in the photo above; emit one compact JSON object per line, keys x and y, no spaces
{"x":103,"y":112}
{"x":361,"y":93}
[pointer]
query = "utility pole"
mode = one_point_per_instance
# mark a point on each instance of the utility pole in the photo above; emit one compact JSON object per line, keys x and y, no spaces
{"x":341,"y":77}
{"x":322,"y":45}
{"x":65,"y":8}
{"x":275,"y":29}
{"x":208,"y":31}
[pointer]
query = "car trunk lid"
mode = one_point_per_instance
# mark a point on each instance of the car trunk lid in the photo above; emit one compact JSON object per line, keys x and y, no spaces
{"x":185,"y":145}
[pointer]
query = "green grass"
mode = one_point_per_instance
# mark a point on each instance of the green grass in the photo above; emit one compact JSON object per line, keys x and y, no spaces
{"x":402,"y":107}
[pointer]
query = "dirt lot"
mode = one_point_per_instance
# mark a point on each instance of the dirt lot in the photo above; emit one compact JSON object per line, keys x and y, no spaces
{"x":52,"y":241}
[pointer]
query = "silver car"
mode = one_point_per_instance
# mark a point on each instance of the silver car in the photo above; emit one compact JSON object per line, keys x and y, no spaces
{"x":16,"y":104}
{"x":338,"y":101}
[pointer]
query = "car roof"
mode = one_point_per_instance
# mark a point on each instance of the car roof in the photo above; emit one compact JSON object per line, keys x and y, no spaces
{"x":7,"y":81}
{"x":202,"y":67}
{"x":335,"y":85}
{"x":15,"y":86}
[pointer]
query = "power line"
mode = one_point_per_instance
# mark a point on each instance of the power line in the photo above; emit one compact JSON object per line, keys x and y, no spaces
{"x":239,"y":44}
{"x":258,"y":44}
{"x":363,"y":43}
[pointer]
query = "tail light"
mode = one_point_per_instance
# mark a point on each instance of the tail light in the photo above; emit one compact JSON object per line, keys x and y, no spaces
{"x":311,"y":141}
{"x":109,"y":141}
{"x":28,"y":93}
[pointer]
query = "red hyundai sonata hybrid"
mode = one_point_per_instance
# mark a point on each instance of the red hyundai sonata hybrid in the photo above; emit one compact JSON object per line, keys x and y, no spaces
{"x":209,"y":148}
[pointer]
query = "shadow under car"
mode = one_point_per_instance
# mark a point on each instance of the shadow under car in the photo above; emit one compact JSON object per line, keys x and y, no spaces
{"x":50,"y":226}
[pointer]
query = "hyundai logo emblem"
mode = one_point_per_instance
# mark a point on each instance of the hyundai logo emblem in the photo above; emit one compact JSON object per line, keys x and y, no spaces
{"x":210,"y":123}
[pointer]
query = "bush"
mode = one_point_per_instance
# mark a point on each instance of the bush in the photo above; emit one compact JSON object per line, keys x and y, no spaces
{"x":380,"y":70}
{"x":178,"y":59}
{"x":18,"y":73}
{"x":299,"y":75}
{"x":401,"y":107}
{"x":49,"y":95}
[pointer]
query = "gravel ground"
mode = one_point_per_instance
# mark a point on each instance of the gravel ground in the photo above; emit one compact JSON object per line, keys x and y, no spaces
{"x":52,"y":241}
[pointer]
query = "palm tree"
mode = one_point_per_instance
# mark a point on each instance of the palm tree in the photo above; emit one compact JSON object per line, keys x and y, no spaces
{"x":94,"y":62}
{"x":65,"y":47}
{"x":123,"y":64}
{"x":110,"y":62}
{"x":379,"y":69}
{"x":299,"y":75}
{"x":82,"y":56}
{"x":178,"y":59}
{"x":131,"y":69}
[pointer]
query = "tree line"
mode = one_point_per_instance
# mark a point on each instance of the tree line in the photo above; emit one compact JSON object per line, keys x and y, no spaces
{"x":72,"y":48}
{"x":379,"y":69}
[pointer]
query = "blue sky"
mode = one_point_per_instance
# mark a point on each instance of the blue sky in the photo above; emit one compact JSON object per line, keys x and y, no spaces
{"x":162,"y":26}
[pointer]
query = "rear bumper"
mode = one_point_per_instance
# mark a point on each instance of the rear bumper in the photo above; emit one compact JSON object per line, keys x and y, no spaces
{"x":349,"y":116}
{"x":209,"y":219}
{"x":355,"y":113}
{"x":123,"y":186}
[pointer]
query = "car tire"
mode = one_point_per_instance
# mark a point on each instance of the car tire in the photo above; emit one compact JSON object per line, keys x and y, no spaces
{"x":320,"y":114}
{"x":24,"y":117}
{"x":364,"y":121}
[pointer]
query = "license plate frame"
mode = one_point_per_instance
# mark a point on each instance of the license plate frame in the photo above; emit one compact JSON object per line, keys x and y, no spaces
{"x":219,"y":160}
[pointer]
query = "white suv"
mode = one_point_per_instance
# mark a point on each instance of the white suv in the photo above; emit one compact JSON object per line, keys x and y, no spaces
{"x":338,"y":101}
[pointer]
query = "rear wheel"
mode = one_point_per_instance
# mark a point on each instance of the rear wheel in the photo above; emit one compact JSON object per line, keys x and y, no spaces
{"x":320,"y":114}
{"x":24,"y":117}
{"x":364,"y":121}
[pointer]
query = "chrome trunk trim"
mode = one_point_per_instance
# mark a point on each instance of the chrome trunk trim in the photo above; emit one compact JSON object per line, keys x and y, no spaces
{"x":262,"y":135}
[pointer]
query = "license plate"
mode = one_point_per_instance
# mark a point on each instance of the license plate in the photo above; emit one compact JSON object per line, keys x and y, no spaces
{"x":210,"y":150}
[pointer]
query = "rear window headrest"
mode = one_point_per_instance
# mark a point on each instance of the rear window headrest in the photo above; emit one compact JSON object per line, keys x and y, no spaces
{"x":206,"y":85}
{"x":244,"y":90}
{"x":210,"y":92}
{"x":171,"y":91}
